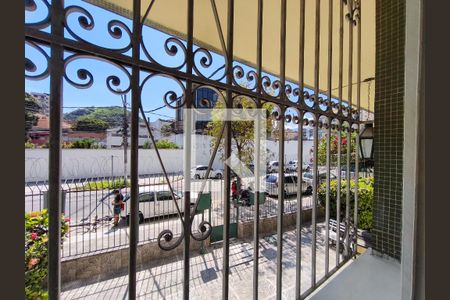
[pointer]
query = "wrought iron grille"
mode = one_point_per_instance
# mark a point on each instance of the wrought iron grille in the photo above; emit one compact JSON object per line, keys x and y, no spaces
{"x":60,"y":44}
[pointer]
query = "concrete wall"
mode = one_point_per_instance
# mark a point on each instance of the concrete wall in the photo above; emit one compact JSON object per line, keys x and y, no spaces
{"x":101,"y":266}
{"x":87,"y":163}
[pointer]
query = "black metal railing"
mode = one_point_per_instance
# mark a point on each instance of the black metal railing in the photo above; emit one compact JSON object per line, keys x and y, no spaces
{"x":87,"y":205}
{"x":62,"y":43}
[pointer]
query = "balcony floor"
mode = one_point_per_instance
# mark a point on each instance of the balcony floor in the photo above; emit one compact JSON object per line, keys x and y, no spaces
{"x":164,"y":279}
{"x":368,"y":277}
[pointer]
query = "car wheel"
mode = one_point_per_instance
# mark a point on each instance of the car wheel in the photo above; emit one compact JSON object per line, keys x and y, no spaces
{"x":197,"y":176}
{"x":219,"y":176}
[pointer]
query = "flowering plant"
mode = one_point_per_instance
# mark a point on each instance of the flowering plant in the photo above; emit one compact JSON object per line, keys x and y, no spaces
{"x":36,"y":252}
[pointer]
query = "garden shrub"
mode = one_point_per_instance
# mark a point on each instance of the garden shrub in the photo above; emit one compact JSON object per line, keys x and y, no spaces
{"x":106,"y":184}
{"x":36,"y":253}
{"x":365,"y":200}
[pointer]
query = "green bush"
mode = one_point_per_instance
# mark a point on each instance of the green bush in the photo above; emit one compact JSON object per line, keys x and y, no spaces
{"x":36,"y":252}
{"x":160,"y":144}
{"x":106,"y":184}
{"x":365,"y":200}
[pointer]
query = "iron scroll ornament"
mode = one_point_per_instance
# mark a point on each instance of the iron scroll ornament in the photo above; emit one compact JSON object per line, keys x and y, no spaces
{"x":172,"y":47}
{"x":166,"y":236}
{"x":113,"y":82}
{"x":116,"y":29}
{"x":31,"y":66}
{"x":31,"y":6}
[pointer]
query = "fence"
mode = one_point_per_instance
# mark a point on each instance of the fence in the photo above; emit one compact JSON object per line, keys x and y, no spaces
{"x":87,"y":203}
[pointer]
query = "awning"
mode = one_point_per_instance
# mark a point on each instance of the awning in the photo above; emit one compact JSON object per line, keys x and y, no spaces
{"x":170,"y":17}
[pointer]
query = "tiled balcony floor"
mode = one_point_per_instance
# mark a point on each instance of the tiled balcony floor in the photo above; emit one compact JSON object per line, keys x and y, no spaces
{"x":164,"y":280}
{"x":369,"y":277}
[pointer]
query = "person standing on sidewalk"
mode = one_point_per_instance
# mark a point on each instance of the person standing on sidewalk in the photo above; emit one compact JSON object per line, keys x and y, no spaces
{"x":117,"y":206}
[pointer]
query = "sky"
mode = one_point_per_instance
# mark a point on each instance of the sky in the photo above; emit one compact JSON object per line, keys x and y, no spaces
{"x":98,"y":94}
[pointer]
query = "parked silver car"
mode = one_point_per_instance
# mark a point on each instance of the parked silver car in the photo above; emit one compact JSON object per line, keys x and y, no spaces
{"x":155,"y":202}
{"x":290,"y":184}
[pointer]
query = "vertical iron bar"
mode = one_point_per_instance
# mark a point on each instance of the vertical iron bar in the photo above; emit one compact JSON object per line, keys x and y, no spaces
{"x":301,"y":77}
{"x":125,"y":140}
{"x":358,"y":109}
{"x":56,"y":67}
{"x":316,"y":137}
{"x":281,"y":152}
{"x":349,"y":112}
{"x":350,"y":54}
{"x":341,"y":53}
{"x":299,"y":206}
{"x":330,"y":70}
{"x":338,"y":196}
{"x":347,"y":188}
{"x":134,"y":190}
{"x":227,"y":150}
{"x":327,"y":203}
{"x":257,"y":154}
{"x":187,"y":158}
{"x":340,"y":90}
{"x":280,"y":210}
{"x":314,"y":204}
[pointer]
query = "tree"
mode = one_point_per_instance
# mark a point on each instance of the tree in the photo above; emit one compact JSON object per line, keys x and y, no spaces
{"x":322,"y":152}
{"x":166,"y":129}
{"x":31,"y":108}
{"x":242,"y":132}
{"x":86,"y":123}
{"x":165,"y":144}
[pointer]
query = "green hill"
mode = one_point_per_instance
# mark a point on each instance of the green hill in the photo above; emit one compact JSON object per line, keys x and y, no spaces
{"x":113,"y":115}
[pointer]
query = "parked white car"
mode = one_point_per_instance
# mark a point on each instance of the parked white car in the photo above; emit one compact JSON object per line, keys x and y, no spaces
{"x":290,"y":184}
{"x":155,"y":202}
{"x":293,"y":164}
{"x":199,"y":172}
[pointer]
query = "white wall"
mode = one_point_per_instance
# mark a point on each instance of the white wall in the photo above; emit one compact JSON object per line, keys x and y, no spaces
{"x":86,"y":163}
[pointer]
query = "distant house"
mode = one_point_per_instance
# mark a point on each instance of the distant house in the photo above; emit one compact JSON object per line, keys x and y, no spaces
{"x":39,"y":134}
{"x":72,"y":136}
{"x":114,"y":136}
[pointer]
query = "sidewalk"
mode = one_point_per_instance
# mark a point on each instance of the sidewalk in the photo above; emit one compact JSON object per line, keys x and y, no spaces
{"x":163,"y":279}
